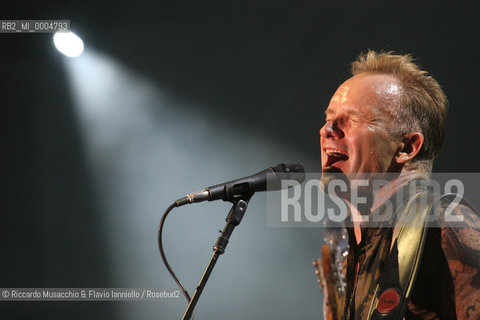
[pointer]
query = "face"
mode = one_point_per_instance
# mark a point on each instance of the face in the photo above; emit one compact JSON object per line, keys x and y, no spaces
{"x":354,"y":139}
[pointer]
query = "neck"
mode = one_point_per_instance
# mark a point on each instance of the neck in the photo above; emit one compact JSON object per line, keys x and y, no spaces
{"x":375,"y":198}
{"x":385,"y":192}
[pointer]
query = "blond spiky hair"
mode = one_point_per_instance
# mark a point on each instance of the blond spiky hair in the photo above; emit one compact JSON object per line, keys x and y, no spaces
{"x":423,"y":105}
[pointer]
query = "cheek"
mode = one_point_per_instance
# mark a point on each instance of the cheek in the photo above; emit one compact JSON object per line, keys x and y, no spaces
{"x":373,"y":148}
{"x":385,"y":149}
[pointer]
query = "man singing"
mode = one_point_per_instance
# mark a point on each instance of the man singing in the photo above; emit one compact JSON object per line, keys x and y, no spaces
{"x":389,"y":118}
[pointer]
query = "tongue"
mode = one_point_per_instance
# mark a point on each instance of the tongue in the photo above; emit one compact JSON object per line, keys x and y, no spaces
{"x":332,"y":159}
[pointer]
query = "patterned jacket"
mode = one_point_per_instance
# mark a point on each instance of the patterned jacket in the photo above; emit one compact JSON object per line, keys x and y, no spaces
{"x":448,"y":282}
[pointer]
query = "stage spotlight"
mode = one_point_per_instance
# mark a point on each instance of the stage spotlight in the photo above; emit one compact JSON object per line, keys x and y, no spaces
{"x":68,"y":43}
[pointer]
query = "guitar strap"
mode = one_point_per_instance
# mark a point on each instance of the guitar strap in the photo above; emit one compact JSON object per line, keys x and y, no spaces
{"x":395,"y":285}
{"x":402,"y":265}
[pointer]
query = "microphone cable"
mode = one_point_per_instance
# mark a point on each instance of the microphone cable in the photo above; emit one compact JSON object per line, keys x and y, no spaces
{"x":162,"y":252}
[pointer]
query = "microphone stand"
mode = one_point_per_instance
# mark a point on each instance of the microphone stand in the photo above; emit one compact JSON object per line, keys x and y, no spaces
{"x":233,"y":219}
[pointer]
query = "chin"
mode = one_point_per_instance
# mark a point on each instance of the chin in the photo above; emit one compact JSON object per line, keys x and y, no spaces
{"x":331,"y":174}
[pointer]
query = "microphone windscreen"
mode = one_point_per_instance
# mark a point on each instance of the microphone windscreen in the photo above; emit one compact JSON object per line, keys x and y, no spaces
{"x":288,"y":171}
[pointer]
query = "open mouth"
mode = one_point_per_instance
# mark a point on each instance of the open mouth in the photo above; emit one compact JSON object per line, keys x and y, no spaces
{"x":334,"y":156}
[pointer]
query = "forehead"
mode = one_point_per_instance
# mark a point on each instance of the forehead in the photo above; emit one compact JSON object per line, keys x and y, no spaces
{"x":365,"y":93}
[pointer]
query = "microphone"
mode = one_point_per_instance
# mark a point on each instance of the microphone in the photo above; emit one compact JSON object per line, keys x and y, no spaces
{"x":246,"y":187}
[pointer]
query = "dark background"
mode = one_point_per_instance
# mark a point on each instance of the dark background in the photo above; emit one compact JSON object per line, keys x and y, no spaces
{"x":267,"y":68}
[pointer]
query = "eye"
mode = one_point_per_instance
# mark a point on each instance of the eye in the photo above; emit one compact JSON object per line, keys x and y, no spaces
{"x":355,"y":119}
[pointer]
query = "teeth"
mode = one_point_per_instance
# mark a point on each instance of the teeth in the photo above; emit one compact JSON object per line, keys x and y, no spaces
{"x":335,"y":153}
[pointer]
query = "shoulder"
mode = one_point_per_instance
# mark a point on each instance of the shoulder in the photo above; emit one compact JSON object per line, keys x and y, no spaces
{"x":460,"y":242}
{"x":460,"y":228}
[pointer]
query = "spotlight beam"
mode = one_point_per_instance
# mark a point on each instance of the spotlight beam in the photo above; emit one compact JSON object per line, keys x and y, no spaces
{"x":68,"y":43}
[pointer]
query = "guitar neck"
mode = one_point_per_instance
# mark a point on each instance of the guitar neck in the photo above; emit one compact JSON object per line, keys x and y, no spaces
{"x":328,"y":279}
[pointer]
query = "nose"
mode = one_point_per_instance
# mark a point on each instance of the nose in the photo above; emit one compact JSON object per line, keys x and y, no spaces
{"x":331,"y":130}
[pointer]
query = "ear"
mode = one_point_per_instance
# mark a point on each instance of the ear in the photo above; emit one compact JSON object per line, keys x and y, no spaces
{"x":412,"y":143}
